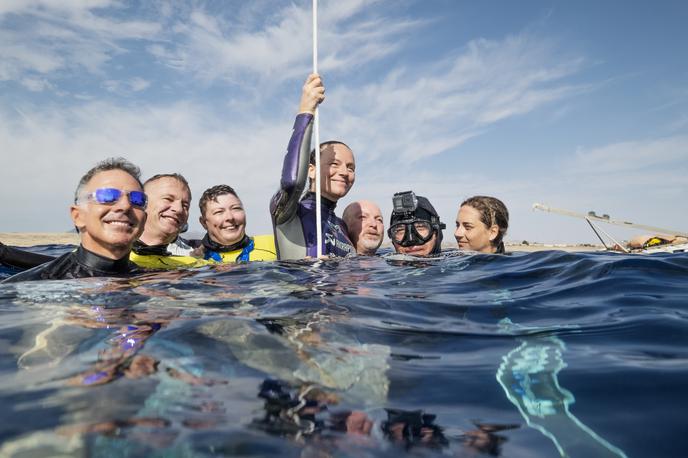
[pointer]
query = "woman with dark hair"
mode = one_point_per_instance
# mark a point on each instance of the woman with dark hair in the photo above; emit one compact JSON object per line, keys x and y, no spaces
{"x":293,"y":213}
{"x":224,"y":219}
{"x":481,"y":224}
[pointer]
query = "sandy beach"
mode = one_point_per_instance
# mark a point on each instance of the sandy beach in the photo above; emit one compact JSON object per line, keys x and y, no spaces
{"x":38,"y":238}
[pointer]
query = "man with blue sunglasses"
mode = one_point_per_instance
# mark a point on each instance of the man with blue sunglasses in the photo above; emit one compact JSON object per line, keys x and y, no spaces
{"x":109,"y":212}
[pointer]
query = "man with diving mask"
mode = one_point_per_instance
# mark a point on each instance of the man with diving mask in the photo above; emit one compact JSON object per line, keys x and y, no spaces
{"x":415,"y":227}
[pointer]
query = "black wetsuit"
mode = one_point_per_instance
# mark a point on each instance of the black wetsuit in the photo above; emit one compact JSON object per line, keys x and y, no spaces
{"x":78,"y":264}
{"x":21,"y":259}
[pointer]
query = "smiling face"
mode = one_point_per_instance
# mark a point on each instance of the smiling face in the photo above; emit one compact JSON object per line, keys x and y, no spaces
{"x":471,"y":233}
{"x":337,"y":171}
{"x":109,"y":230}
{"x":365,"y":226}
{"x":224,"y":219}
{"x":168,"y":210}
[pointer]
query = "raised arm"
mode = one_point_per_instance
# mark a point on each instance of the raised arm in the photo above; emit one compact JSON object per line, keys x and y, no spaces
{"x":295,"y":167}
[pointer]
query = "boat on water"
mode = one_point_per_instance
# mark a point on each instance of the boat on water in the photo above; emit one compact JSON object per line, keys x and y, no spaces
{"x":659,"y":240}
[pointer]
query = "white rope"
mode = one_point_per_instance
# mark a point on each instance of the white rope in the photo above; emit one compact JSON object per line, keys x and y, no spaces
{"x":316,"y":127}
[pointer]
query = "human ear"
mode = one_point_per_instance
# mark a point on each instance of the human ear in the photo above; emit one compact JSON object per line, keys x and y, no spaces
{"x":202,"y":221}
{"x":311,"y":176}
{"x":78,"y":217}
{"x":494,"y":232}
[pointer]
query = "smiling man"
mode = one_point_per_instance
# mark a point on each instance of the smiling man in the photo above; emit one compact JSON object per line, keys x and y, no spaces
{"x":160,"y":246}
{"x":169,"y":201}
{"x":109,"y":212}
{"x":365,"y":226}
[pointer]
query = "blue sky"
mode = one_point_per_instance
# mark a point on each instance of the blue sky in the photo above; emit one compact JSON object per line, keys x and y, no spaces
{"x":579,"y":105}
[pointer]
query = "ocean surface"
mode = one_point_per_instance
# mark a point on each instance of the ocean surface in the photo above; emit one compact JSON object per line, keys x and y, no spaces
{"x":529,"y":355}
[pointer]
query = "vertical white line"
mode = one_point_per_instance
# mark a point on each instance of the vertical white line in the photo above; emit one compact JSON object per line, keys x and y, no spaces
{"x":316,"y":127}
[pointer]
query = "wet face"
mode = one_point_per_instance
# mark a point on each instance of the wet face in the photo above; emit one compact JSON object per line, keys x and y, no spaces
{"x":109,"y":229}
{"x":337,"y":171}
{"x":417,"y":250}
{"x":224,"y":219}
{"x":365,"y":226}
{"x":168,"y":210}
{"x":471,"y":233}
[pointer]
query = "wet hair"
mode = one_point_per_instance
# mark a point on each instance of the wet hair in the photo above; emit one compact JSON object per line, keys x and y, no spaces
{"x":213,"y":193}
{"x":112,"y":163}
{"x":492,"y":212}
{"x":176,"y":176}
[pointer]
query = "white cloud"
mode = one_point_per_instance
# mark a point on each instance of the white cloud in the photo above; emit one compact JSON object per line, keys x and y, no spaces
{"x":51,"y":147}
{"x":278,"y":47}
{"x":639,"y":156}
{"x":123,"y":87}
{"x":413,"y":114}
{"x":36,"y":84}
{"x":64,"y":36}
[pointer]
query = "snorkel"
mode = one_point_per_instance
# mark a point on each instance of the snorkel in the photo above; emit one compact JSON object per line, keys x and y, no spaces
{"x":414,"y":221}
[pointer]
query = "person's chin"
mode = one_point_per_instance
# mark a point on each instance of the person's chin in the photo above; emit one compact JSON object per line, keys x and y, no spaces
{"x":340,"y":190}
{"x":120,"y":241}
{"x":232,"y":237}
{"x":169,"y":226}
{"x":372,"y":241}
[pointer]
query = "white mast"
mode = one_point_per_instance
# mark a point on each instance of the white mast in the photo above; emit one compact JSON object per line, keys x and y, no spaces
{"x":316,"y":128}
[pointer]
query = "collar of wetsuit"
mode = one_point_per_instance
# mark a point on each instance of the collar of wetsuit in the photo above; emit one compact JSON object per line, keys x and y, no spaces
{"x":323,"y":200}
{"x":142,"y":249}
{"x":96,"y":262}
{"x":216,"y":247}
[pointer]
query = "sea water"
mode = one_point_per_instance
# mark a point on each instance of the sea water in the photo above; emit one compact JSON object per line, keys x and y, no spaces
{"x":540,"y":354}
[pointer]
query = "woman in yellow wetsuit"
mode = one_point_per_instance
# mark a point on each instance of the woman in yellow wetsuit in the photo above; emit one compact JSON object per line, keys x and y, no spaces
{"x":224,"y":219}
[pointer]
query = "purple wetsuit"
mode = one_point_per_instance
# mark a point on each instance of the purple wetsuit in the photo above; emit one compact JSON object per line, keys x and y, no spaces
{"x":293,"y":217}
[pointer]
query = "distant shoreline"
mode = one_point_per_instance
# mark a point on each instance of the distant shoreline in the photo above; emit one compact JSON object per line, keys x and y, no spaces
{"x":24,"y":239}
{"x":39,"y":238}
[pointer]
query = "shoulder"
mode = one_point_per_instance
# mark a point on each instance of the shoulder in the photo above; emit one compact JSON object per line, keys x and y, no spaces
{"x":263,"y":248}
{"x":57,"y":269}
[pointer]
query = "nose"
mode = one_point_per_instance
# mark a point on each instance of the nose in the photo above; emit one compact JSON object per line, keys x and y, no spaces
{"x":343,"y":170}
{"x":458,"y":233}
{"x":122,"y":203}
{"x":176,"y":206}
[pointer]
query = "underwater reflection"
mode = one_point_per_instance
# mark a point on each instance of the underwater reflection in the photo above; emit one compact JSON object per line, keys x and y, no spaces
{"x":303,"y":414}
{"x":528,"y":375}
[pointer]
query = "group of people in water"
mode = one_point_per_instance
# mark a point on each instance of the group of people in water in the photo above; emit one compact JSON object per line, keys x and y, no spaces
{"x":126,"y":224}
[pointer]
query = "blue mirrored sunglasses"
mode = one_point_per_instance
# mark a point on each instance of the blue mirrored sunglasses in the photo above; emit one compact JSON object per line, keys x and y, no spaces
{"x":108,"y":196}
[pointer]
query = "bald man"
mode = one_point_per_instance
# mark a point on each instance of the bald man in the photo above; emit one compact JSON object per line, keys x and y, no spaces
{"x":365,"y":226}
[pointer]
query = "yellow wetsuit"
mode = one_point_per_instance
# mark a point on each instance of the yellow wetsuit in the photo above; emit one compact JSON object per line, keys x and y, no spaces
{"x":262,"y":249}
{"x":157,"y":261}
